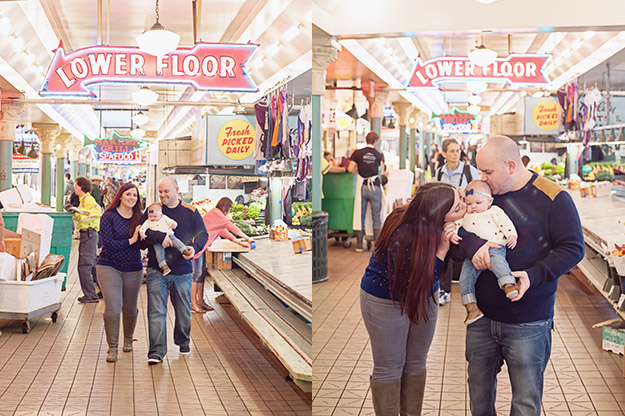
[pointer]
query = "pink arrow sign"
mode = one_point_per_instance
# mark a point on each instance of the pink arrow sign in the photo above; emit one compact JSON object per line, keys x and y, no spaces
{"x":206,"y":66}
{"x":514,"y":69}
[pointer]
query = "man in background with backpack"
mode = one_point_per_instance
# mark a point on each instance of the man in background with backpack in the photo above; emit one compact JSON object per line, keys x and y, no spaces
{"x":459,"y":174}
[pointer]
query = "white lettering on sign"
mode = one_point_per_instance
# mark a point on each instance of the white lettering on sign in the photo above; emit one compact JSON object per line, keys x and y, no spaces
{"x":530,"y":70}
{"x":79,"y":68}
{"x":136,"y":64}
{"x":100,"y":63}
{"x":204,"y":66}
{"x":227,"y":67}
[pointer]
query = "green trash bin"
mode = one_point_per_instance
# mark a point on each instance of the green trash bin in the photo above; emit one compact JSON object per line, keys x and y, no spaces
{"x":320,"y":247}
{"x":61,"y":234}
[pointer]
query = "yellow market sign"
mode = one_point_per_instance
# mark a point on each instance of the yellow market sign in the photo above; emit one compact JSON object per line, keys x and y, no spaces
{"x":236,"y":139}
{"x":545,"y":115}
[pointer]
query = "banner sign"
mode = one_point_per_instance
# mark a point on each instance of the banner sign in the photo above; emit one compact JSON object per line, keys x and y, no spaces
{"x":206,"y":66}
{"x":515,"y":69}
{"x":458,"y":122}
{"x":116,"y":149}
{"x":22,"y":163}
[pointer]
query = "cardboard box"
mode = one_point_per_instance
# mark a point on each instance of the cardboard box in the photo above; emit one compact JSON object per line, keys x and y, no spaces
{"x":302,"y":244}
{"x":613,"y":339}
{"x":12,"y":241}
{"x":40,"y":238}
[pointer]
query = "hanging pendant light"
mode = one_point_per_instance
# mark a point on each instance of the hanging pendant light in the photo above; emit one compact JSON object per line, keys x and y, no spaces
{"x":140,"y":118}
{"x":144,"y":96}
{"x":365,"y":116}
{"x":477,"y":87}
{"x":21,"y":149}
{"x":475,"y":99}
{"x":158,"y":41}
{"x":137,"y":133}
{"x":482,"y":56}
{"x":32,"y":153}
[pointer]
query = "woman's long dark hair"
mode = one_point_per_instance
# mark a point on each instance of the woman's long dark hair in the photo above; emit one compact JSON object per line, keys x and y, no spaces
{"x":411,"y":274}
{"x":137,"y":210}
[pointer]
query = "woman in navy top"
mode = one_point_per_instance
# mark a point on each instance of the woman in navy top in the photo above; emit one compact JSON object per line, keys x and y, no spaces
{"x":399,"y":295}
{"x":120,"y":271}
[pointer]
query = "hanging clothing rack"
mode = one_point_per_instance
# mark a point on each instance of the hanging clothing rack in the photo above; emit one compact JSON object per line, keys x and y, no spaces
{"x":277,"y":86}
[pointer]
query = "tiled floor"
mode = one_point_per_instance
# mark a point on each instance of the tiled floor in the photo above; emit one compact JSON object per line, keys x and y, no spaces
{"x":59,"y":368}
{"x":581,"y":379}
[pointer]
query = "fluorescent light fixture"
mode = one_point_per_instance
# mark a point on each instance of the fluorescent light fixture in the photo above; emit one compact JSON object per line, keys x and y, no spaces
{"x":144,"y":96}
{"x":477,"y":87}
{"x":474,"y":99}
{"x":473,"y":109}
{"x":140,"y":118}
{"x":137,"y":133}
{"x":609,"y":48}
{"x":482,"y":56}
{"x":292,"y":32}
{"x":272,"y":49}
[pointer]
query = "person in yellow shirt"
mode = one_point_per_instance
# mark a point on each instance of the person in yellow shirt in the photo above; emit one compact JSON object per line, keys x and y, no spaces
{"x":87,"y":219}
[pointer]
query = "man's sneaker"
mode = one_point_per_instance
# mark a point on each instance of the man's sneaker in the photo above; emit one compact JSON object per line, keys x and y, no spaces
{"x":443,"y":298}
{"x":154,"y":359}
{"x":87,"y":299}
{"x":100,"y":295}
{"x":185,"y":349}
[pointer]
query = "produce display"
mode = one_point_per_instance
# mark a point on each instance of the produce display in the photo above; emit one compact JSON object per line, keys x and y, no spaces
{"x":204,"y":205}
{"x":302,"y":213}
{"x":247,"y":218}
{"x":602,"y":171}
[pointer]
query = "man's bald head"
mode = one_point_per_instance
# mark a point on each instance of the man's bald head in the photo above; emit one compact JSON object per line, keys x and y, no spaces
{"x":501,"y":149}
{"x":168,"y":191}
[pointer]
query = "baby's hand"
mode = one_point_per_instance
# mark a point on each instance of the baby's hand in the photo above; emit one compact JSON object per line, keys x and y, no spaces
{"x":455,"y":238}
{"x":511,"y":241}
{"x":174,"y":225}
{"x":142,"y":234}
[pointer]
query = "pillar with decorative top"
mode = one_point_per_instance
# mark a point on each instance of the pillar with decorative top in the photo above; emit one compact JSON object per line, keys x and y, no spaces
{"x":9,"y":112}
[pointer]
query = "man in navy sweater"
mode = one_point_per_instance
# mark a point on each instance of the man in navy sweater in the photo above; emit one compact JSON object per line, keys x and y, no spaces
{"x":550,"y":243}
{"x":177,"y":283}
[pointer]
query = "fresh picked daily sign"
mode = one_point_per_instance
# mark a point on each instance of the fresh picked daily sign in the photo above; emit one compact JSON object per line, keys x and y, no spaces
{"x":515,"y":69}
{"x":206,"y":66}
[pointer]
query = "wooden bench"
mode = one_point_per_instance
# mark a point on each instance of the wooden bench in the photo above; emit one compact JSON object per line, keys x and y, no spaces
{"x":281,"y":331}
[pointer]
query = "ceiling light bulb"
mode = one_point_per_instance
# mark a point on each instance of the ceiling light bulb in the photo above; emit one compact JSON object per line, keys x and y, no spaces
{"x":137,"y":133}
{"x":158,"y":41}
{"x":141,"y":118}
{"x":482,"y":56}
{"x":477,"y":87}
{"x":474,"y":99}
{"x":473,"y":109}
{"x":144,"y":96}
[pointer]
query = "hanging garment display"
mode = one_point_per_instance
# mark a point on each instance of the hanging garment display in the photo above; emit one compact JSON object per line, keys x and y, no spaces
{"x":261,"y":130}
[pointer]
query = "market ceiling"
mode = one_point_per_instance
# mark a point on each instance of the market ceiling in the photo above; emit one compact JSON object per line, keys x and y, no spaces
{"x":31,"y":30}
{"x":381,"y":42}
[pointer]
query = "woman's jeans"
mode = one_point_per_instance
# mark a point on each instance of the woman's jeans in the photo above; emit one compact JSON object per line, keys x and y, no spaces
{"x":373,"y":194}
{"x":398,"y":346}
{"x":499,"y":267}
{"x":525,"y":348}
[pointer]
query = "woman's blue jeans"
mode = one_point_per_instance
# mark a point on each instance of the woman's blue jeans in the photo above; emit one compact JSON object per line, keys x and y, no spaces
{"x":525,"y":348}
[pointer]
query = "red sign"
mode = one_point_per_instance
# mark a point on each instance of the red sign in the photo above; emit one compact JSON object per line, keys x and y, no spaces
{"x":206,"y":66}
{"x":514,"y":69}
{"x":458,"y":122}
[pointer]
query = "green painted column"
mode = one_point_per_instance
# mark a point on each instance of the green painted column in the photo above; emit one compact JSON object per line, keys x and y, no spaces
{"x":316,"y":153}
{"x":402,"y":147}
{"x":411,"y":149}
{"x":73,"y":169}
{"x":60,"y":168}
{"x":46,"y":178}
{"x":422,"y":150}
{"x":9,"y":113}
{"x":6,"y":161}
